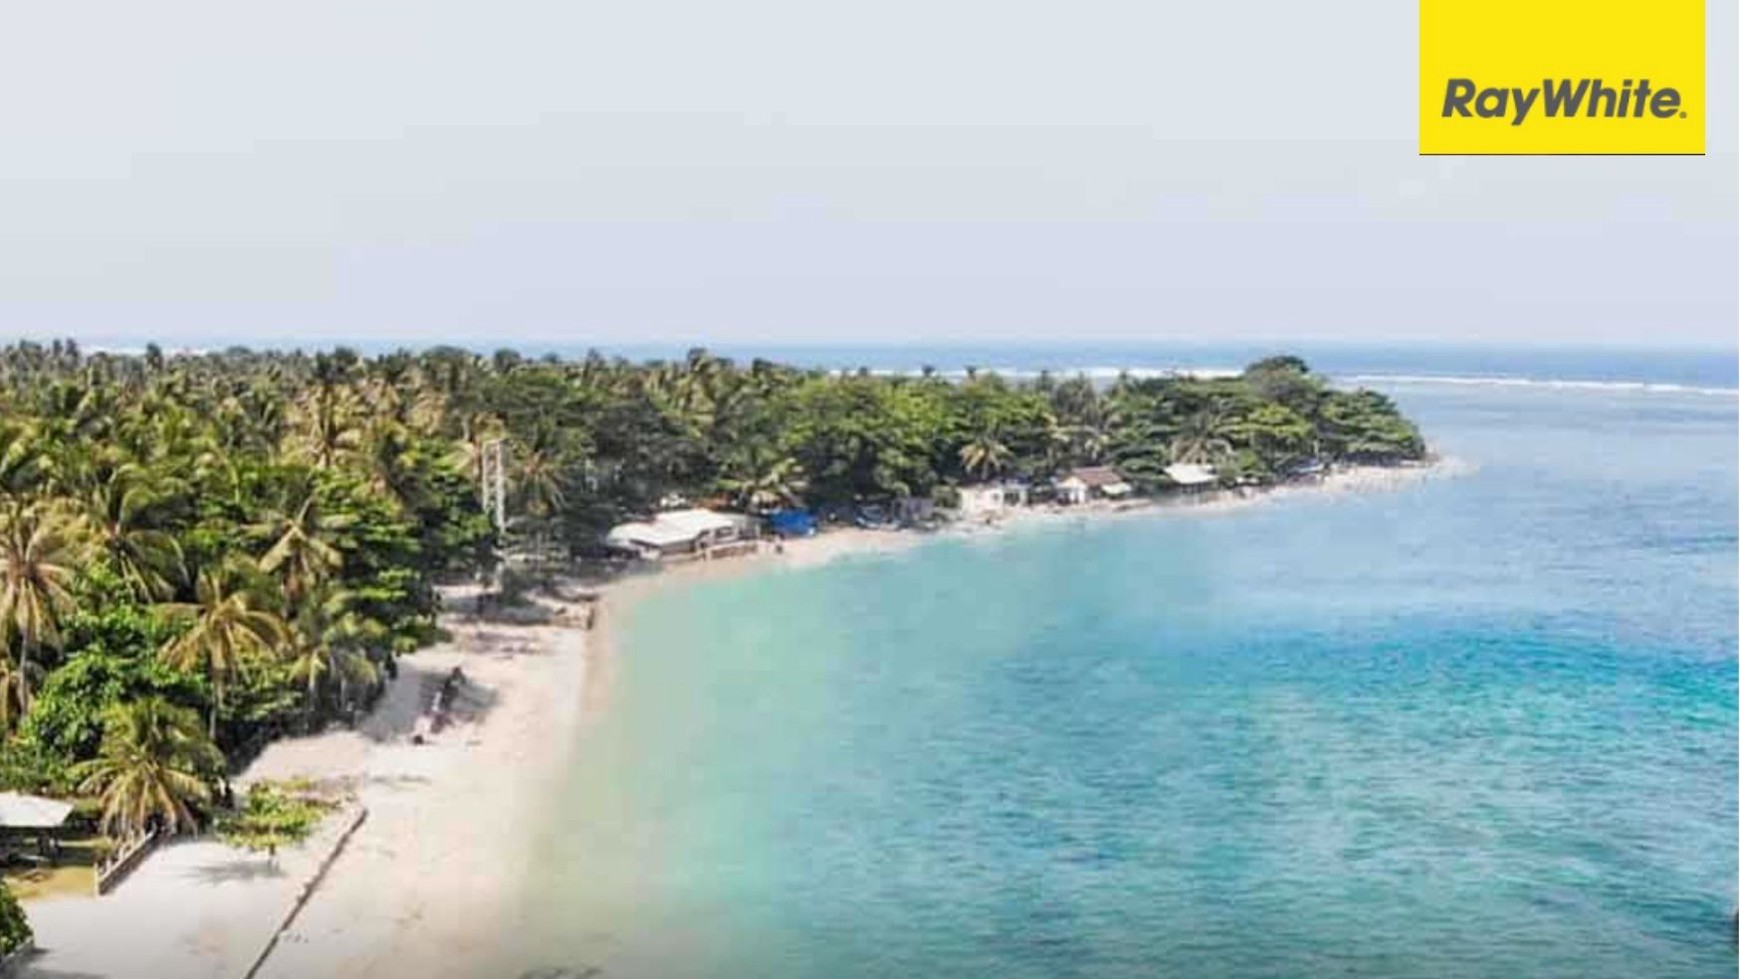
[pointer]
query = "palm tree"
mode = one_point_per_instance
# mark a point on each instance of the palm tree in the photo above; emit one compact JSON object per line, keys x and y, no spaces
{"x":77,"y":408}
{"x":708,"y":395}
{"x":16,"y":682}
{"x":1202,"y":438}
{"x":540,"y":477}
{"x":327,"y":645}
{"x":20,"y":461}
{"x":301,"y":554}
{"x":121,"y":508}
{"x":324,"y":426}
{"x":477,"y":430}
{"x":1089,"y":440}
{"x":759,"y":481}
{"x":388,"y":456}
{"x":37,"y":561}
{"x":166,"y":437}
{"x":985,"y":454}
{"x":154,"y":762}
{"x":253,"y":417}
{"x":228,"y":626}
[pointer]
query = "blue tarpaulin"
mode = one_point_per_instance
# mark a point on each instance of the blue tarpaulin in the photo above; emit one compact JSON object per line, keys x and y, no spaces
{"x":792,"y":523}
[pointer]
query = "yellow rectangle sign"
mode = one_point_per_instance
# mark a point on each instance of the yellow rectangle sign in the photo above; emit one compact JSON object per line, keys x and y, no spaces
{"x":1544,"y":77}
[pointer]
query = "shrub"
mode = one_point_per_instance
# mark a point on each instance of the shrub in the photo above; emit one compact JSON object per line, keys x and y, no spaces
{"x":274,"y":815}
{"x":15,"y":930}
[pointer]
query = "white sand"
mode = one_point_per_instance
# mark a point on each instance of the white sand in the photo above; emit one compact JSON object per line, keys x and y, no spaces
{"x":422,"y":888}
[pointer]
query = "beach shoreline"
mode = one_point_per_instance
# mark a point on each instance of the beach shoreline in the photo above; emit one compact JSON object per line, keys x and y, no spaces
{"x":430,"y":884}
{"x":432,"y":879}
{"x":842,"y":542}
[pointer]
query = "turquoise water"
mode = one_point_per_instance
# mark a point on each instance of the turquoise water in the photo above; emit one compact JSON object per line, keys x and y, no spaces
{"x":1484,"y":726}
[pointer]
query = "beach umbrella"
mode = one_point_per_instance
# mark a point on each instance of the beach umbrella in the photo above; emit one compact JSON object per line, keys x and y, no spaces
{"x":20,"y":811}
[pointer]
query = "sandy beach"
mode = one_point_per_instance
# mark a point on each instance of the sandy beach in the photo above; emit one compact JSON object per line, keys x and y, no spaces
{"x":426,"y":884}
{"x":422,"y":888}
{"x":417,"y":890}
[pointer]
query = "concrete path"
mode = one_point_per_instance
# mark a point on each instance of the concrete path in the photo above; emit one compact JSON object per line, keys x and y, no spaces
{"x":194,"y":909}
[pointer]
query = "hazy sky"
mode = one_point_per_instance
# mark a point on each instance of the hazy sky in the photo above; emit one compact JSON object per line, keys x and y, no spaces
{"x":764,"y":171}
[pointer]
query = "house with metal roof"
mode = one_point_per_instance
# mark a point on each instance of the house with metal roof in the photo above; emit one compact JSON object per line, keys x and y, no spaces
{"x":985,"y":499}
{"x":1192,"y":477}
{"x":1092,"y":483}
{"x":680,"y":533}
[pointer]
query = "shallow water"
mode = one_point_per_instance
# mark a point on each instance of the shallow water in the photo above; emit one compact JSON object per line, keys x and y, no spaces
{"x":1484,"y":726}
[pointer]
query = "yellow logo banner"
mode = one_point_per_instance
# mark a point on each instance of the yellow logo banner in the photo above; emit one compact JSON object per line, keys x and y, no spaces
{"x":1542,"y":77}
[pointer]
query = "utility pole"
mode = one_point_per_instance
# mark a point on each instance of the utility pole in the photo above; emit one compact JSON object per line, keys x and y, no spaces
{"x":493,"y":488}
{"x":498,"y":448}
{"x":493,"y":496}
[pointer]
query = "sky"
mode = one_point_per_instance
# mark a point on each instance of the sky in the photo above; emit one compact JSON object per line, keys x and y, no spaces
{"x":764,"y":171}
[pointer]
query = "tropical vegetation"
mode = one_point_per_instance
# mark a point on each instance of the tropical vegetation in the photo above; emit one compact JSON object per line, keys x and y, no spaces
{"x":15,"y":930}
{"x":274,"y":815}
{"x":202,"y":551}
{"x":154,"y":764}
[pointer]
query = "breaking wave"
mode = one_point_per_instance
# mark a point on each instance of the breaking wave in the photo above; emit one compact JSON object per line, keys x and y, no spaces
{"x":1106,"y":375}
{"x":1647,"y":387}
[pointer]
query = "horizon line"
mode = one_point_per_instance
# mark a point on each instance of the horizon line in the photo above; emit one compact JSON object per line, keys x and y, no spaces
{"x":115,"y":345}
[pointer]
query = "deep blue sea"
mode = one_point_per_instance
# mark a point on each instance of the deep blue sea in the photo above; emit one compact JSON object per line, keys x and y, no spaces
{"x":1480,"y":727}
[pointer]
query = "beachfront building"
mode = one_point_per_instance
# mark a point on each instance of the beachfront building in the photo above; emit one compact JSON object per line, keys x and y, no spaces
{"x":1191,"y":477}
{"x":1092,"y":483}
{"x":914,"y":511}
{"x":989,"y":498}
{"x":31,"y":819}
{"x":681,"y":534}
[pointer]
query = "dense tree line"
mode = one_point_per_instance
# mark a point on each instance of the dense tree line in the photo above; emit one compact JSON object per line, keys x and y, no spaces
{"x":198,"y":552}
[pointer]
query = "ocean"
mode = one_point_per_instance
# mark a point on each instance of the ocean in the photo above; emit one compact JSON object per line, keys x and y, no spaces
{"x":1481,"y":726}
